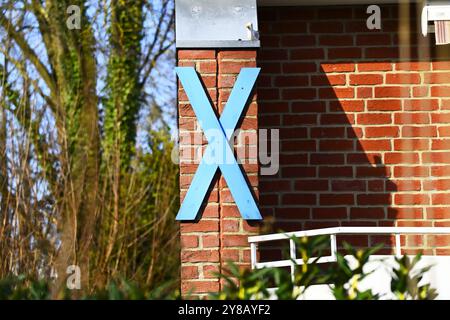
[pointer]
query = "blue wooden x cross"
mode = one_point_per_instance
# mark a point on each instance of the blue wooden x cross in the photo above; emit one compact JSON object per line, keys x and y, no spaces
{"x":218,"y":132}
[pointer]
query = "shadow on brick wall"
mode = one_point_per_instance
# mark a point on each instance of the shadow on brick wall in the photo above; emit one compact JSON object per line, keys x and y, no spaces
{"x":324,"y":85}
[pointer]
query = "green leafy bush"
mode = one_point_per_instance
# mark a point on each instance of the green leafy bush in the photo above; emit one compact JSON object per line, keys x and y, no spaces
{"x":21,"y":288}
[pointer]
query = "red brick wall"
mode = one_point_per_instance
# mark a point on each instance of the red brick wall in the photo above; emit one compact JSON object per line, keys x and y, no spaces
{"x":364,"y":121}
{"x":221,"y":234}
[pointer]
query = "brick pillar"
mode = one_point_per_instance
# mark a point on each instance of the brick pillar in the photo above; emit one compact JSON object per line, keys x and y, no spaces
{"x":221,"y":234}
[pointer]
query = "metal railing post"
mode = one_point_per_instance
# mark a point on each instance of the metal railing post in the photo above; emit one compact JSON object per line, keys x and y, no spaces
{"x":253,"y":254}
{"x":293,"y":255}
{"x":333,"y":246}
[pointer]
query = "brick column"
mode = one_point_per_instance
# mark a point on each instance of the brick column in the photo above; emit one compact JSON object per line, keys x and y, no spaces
{"x":221,"y":234}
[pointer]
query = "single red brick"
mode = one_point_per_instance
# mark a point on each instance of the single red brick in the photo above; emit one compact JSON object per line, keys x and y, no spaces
{"x":348,"y":185}
{"x":211,"y":211}
{"x":438,"y":241}
{"x":412,"y":199}
{"x":374,"y":118}
{"x":400,"y":157}
{"x":298,"y":67}
{"x":403,"y":78}
{"x":339,"y":93}
{"x":235,"y":241}
{"x":230,"y":255}
{"x":292,"y":213}
{"x":374,"y":145}
{"x":438,"y":184}
{"x":209,"y":241}
{"x":403,"y":185}
{"x":440,"y":199}
{"x":337,"y":67}
{"x":440,"y":91}
{"x":230,"y":225}
{"x":441,"y":65}
{"x":200,"y":226}
{"x":299,"y":93}
{"x":196,"y":54}
{"x":344,"y":53}
{"x":296,"y":145}
{"x":297,"y":41}
{"x":373,"y":39}
{"x":273,"y":54}
{"x":413,"y":66}
{"x":382,"y":53}
{"x":233,"y":67}
{"x":327,"y":172}
{"x":414,"y":223}
{"x":189,"y":272}
{"x":328,"y":79}
{"x":336,"y":40}
{"x":440,"y":171}
{"x":384,"y":131}
{"x":411,"y":171}
{"x":436,"y":78}
{"x":440,"y":144}
{"x":421,"y":104}
{"x":374,"y":199}
{"x":416,"y":131}
{"x":291,"y":81}
{"x":374,"y":66}
{"x":326,"y":158}
{"x":438,"y":213}
{"x":347,"y":105}
{"x":364,"y":92}
{"x":211,"y":271}
{"x":307,"y":54}
{"x":336,"y":145}
{"x":336,"y":199}
{"x":200,"y":286}
{"x":440,"y":118}
{"x":328,"y":27}
{"x":207,"y":67}
{"x":405,"y":213}
{"x":411,"y":144}
{"x":311,"y":185}
{"x":189,"y":241}
{"x":420,"y":91}
{"x":374,"y":172}
{"x":367,"y":213}
{"x":329,"y":213}
{"x":308,"y":106}
{"x":436,"y":157}
{"x":237,"y":54}
{"x":444,"y":131}
{"x":384,"y":105}
{"x":200,"y":256}
{"x":376,"y":185}
{"x":334,"y":119}
{"x":366,"y":79}
{"x":388,"y":92}
{"x":299,"y":199}
{"x":289,"y":27}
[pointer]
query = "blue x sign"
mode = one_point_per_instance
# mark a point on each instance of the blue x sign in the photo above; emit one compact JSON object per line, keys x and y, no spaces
{"x":218,"y":132}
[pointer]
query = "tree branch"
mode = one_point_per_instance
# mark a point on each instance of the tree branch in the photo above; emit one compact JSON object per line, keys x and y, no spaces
{"x":28,"y":52}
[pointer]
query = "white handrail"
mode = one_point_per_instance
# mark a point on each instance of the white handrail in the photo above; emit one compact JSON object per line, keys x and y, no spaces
{"x":350,"y":230}
{"x":332,"y":232}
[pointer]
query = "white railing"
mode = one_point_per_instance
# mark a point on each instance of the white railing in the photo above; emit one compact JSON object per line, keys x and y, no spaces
{"x":332,"y":232}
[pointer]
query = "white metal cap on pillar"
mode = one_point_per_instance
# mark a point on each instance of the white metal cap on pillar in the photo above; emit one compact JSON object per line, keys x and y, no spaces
{"x":216,"y":24}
